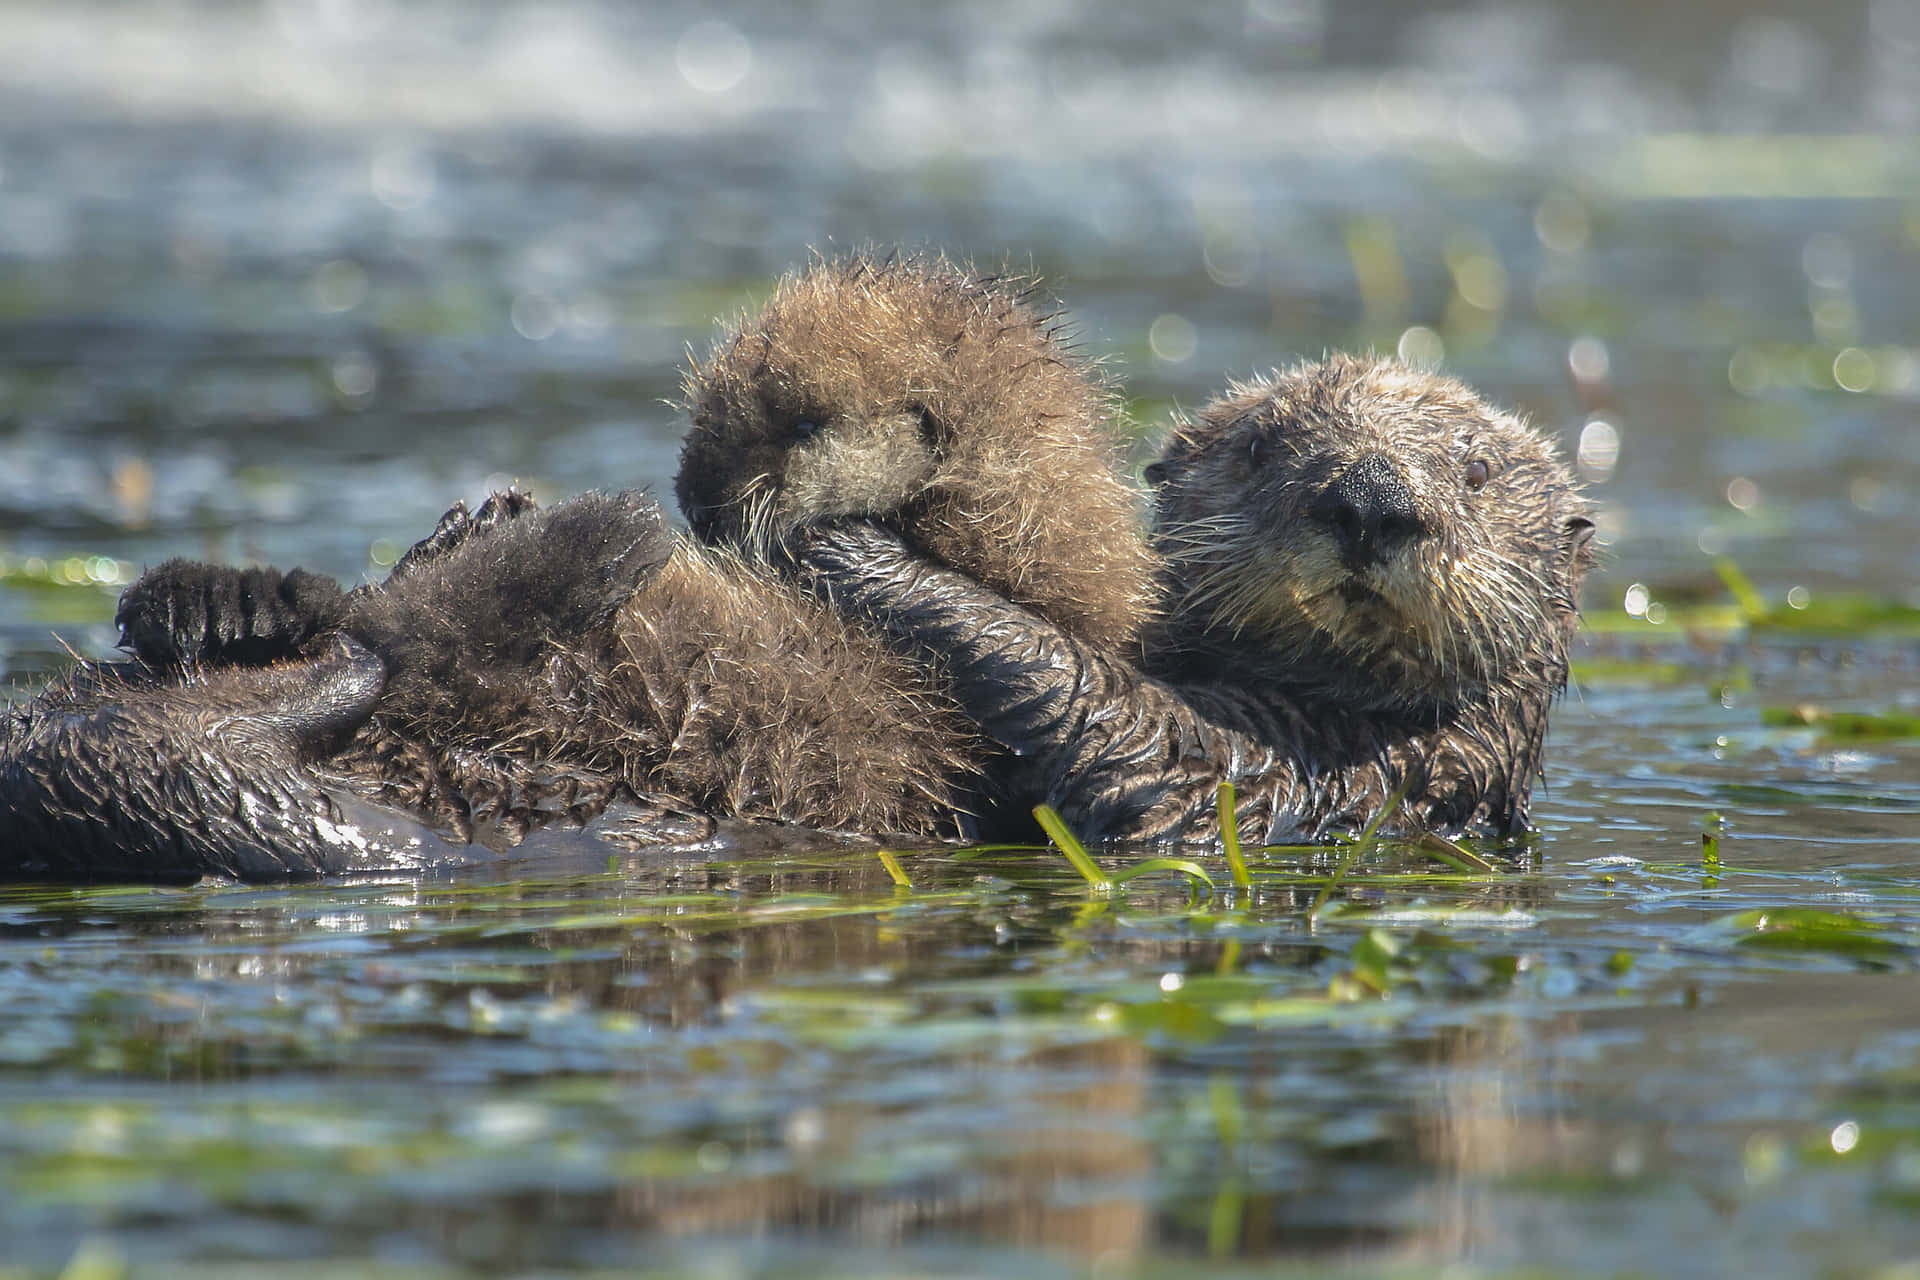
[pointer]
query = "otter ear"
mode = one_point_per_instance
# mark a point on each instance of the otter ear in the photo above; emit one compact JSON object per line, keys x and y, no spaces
{"x":1576,"y":538}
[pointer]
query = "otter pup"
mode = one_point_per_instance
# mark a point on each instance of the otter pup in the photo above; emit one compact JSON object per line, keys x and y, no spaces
{"x":905,"y":388}
{"x":941,"y":401}
{"x":1371,"y":580}
{"x":719,"y":682}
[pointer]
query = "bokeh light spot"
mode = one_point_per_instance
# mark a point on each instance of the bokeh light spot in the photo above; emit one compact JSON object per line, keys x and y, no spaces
{"x":1421,"y":348}
{"x":1173,"y":338}
{"x":1748,"y":372}
{"x":713,"y":56}
{"x":1230,"y":257}
{"x":1560,"y":221}
{"x":1853,"y":370}
{"x":1599,"y":451}
{"x":339,"y":285}
{"x":1588,"y":360}
{"x":535,"y":316}
{"x":354,"y":375}
{"x":1743,"y":494}
{"x":1482,"y":282}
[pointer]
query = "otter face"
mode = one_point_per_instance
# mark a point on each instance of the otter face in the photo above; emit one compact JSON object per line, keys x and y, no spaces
{"x":777,"y":448}
{"x":824,"y":402}
{"x":1388,"y":523}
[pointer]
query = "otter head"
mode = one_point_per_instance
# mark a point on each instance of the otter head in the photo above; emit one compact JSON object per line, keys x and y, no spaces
{"x":913,"y":391}
{"x":835,"y":399}
{"x":1377,"y":530}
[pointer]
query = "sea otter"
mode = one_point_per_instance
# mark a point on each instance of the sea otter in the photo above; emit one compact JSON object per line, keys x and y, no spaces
{"x":940,"y":401}
{"x":1370,"y":581}
{"x":715,"y":681}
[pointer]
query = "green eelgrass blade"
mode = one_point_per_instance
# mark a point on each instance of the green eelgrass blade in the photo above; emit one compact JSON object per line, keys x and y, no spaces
{"x":1056,"y":829}
{"x":1148,"y":866}
{"x":1230,"y":837}
{"x":1365,"y":843}
{"x":1740,"y":586}
{"x":1441,"y":849}
{"x":894,"y":869}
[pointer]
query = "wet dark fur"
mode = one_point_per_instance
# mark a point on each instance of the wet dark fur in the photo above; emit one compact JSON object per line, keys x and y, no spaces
{"x":1371,"y":580}
{"x":941,"y":401}
{"x":114,"y":774}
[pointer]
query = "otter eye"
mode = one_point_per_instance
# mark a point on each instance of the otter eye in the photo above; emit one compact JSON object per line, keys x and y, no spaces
{"x":1477,"y":474}
{"x":805,"y":429}
{"x":1259,"y":449}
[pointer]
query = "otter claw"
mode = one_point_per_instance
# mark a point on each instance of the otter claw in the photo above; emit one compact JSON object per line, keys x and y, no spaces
{"x":457,"y":525}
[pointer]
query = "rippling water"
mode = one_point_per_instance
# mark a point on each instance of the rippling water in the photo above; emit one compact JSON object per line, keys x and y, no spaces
{"x":280,"y":281}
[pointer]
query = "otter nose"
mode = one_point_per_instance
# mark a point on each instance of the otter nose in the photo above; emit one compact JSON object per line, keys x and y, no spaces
{"x":1369,"y":509}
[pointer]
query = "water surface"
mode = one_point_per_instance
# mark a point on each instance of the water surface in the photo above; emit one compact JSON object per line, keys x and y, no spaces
{"x":281,"y":281}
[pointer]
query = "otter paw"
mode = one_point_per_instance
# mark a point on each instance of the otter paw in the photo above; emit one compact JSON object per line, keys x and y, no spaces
{"x":187,"y":612}
{"x":583,"y":560}
{"x":457,"y":525}
{"x":843,"y":550}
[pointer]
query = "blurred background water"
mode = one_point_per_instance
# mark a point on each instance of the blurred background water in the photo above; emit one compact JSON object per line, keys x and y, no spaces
{"x":280,"y":280}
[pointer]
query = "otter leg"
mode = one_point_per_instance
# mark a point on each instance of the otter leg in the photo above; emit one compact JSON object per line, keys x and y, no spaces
{"x":1119,"y":753}
{"x":317,"y":704}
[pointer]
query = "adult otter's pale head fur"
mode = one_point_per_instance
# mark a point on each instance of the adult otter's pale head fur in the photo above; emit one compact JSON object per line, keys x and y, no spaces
{"x":913,"y":390}
{"x":1372,"y":533}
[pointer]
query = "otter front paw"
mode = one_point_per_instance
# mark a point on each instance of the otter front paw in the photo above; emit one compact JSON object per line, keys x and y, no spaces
{"x":485,"y":609}
{"x":591,"y":556}
{"x":853,"y":559}
{"x":457,"y":525}
{"x":186,"y":612}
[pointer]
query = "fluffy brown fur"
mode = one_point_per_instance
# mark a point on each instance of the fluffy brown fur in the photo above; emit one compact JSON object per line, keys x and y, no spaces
{"x":727,"y":686}
{"x":913,"y":390}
